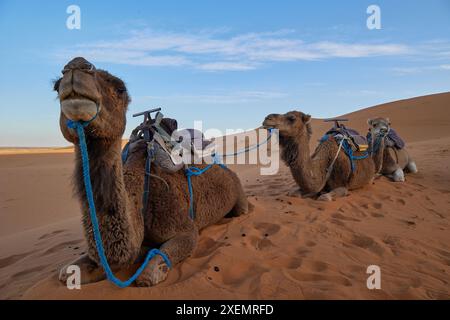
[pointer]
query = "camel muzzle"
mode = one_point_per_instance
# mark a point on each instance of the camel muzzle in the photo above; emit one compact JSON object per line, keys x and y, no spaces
{"x":78,"y":93}
{"x":79,"y":109}
{"x":270,"y":121}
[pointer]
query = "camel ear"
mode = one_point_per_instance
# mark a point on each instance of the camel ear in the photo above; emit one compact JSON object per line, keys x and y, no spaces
{"x":306,"y":118}
{"x":369,"y":122}
{"x":388,"y":121}
{"x":56,"y":84}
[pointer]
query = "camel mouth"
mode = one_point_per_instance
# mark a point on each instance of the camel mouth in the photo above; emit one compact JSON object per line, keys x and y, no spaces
{"x":79,"y":108}
{"x":267,"y":124}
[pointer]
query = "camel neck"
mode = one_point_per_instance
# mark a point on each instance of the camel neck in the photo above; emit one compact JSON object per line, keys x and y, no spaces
{"x":121,"y":224}
{"x":296,"y":154}
{"x":106,"y":174}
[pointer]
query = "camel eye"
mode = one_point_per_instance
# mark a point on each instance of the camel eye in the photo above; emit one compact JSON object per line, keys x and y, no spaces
{"x":121,"y":90}
{"x":291,"y":118}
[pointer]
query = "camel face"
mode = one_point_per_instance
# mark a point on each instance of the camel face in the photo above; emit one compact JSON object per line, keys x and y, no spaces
{"x":379,"y":126}
{"x":288,"y":124}
{"x":85,"y":92}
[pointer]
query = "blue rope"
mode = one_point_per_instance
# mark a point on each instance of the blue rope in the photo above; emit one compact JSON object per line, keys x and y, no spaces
{"x":376,"y":146}
{"x":194,"y":171}
{"x":256,"y":146}
{"x":79,"y":127}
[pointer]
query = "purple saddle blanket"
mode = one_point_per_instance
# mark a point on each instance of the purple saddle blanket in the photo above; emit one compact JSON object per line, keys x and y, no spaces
{"x":392,"y":139}
{"x":395,"y":139}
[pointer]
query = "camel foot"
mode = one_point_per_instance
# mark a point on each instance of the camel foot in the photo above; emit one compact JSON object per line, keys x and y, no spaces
{"x":89,"y":270}
{"x":398,"y":175}
{"x":411,"y":167}
{"x":176,"y":249}
{"x":295,"y":193}
{"x":336,"y":193}
{"x":325,"y":197}
{"x":155,"y":272}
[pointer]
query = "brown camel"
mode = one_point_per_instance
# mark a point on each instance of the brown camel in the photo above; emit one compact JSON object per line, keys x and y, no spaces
{"x":127,"y":232}
{"x":310,"y":171}
{"x":393,"y":161}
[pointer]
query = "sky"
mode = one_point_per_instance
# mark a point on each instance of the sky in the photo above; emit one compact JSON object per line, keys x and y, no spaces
{"x":227,"y":63}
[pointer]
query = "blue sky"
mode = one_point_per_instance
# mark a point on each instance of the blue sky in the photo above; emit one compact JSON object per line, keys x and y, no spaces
{"x":228,"y":63}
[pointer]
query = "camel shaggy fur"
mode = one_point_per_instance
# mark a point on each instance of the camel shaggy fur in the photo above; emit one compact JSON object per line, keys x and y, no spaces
{"x":310,"y":171}
{"x":127,"y":232}
{"x":394,"y":160}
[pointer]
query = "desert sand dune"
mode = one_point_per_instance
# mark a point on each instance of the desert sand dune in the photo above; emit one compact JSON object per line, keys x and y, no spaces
{"x":287,"y":248}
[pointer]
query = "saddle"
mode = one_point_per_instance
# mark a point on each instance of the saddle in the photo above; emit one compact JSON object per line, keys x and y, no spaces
{"x":356,"y":141}
{"x":170,"y":146}
{"x":393,"y":139}
{"x":349,"y":139}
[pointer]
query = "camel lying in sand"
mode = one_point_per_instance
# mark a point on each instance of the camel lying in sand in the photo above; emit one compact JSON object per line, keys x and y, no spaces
{"x":395,"y":158}
{"x":310,"y":171}
{"x":83,"y":92}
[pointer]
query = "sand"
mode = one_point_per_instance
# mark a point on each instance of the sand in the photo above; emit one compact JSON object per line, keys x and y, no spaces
{"x":287,"y":248}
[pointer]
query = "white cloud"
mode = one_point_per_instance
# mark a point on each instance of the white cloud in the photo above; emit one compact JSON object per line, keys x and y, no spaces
{"x":216,"y":98}
{"x":419,"y":69}
{"x":229,"y":66}
{"x":216,"y":52}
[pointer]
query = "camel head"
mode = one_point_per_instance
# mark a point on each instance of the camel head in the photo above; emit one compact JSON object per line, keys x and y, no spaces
{"x":291,"y":124}
{"x":379,"y":126}
{"x":85,"y":92}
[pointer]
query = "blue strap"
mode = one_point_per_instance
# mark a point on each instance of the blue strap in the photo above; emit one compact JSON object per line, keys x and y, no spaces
{"x":79,"y":127}
{"x":349,"y":151}
{"x":193,"y":171}
{"x":373,"y":148}
{"x":125,"y":152}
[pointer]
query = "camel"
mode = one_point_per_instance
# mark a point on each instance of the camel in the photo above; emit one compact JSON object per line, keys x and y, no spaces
{"x":394,"y":160}
{"x":85,"y":93}
{"x":310,"y":171}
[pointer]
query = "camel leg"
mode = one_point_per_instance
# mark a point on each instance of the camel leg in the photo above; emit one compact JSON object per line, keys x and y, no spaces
{"x":90,"y":270}
{"x":411,"y":167}
{"x":398,"y":175}
{"x":333,"y":194}
{"x":177,"y":249}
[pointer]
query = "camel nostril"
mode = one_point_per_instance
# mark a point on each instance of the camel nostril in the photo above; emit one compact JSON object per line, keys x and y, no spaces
{"x":80,"y":64}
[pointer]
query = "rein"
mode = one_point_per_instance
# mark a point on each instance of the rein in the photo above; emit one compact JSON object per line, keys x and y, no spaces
{"x":79,"y":127}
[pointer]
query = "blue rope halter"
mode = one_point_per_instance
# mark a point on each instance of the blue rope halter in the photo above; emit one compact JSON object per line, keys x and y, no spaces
{"x":79,"y":127}
{"x":375,"y":146}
